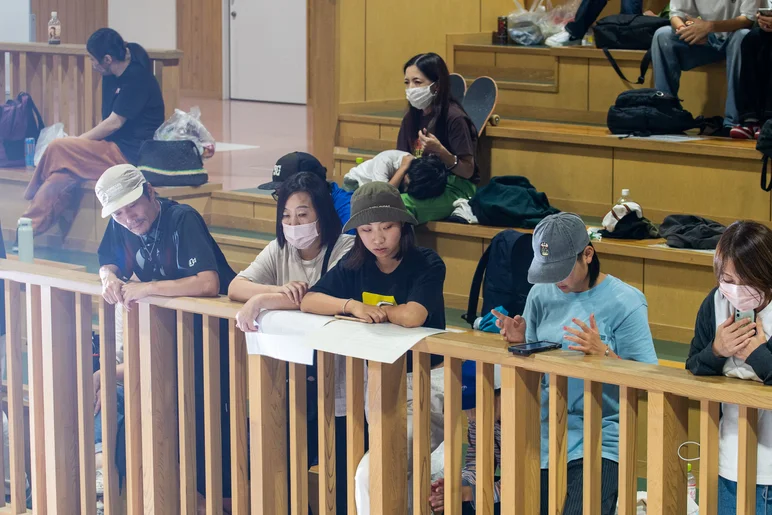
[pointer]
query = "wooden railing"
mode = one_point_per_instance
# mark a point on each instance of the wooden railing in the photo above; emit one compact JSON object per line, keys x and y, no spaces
{"x":64,"y":85}
{"x":160,"y":426}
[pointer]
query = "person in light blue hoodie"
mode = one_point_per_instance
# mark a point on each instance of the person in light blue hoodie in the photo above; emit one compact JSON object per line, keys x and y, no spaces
{"x":573,"y":303}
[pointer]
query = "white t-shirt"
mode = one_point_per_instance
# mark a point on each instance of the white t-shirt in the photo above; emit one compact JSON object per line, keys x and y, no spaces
{"x":728,"y":426}
{"x":381,"y":168}
{"x":276,"y":266}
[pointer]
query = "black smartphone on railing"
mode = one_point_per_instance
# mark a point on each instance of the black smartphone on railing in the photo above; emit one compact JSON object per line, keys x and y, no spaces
{"x":525,"y":349}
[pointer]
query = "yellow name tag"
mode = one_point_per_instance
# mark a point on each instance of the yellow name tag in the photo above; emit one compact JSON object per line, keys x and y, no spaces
{"x":372,"y":299}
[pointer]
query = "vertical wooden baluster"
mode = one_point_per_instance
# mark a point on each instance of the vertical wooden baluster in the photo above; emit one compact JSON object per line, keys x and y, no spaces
{"x":387,"y":396}
{"x":747,"y":454}
{"x":484,"y":421}
{"x":132,"y":407}
{"x":36,"y":399}
{"x":212,"y":419}
{"x":355,"y":423}
{"x":60,"y":391}
{"x":81,"y":63}
{"x":628,"y":450}
{"x":48,"y":104}
{"x":85,"y":377}
{"x":709,"y":417}
{"x":186,"y":400}
{"x":18,"y":79}
{"x":509,"y":485}
{"x":298,"y":439}
{"x":88,"y":95}
{"x":666,"y":473}
{"x":558,"y":443}
{"x":422,"y":466}
{"x":454,"y":436}
{"x":160,"y":467}
{"x":13,"y":355}
{"x":268,"y":433}
{"x":33,"y":83}
{"x":66,"y":106}
{"x":593,"y":440}
{"x":237,"y":350}
{"x":326,"y":409}
{"x":3,"y":76}
{"x":527,"y":440}
{"x":167,"y":72}
{"x":109,"y":407}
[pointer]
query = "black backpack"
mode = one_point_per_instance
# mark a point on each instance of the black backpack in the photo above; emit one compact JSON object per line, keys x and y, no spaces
{"x":764,"y":145}
{"x":505,"y":266}
{"x":643,"y":112}
{"x":628,"y":32}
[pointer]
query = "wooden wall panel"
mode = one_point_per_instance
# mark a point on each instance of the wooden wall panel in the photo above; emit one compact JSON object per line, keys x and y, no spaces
{"x":80,"y":18}
{"x":351,"y":15}
{"x":199,"y":36}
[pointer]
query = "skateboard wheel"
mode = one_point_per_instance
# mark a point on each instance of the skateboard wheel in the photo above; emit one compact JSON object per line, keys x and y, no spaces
{"x":495,"y":119}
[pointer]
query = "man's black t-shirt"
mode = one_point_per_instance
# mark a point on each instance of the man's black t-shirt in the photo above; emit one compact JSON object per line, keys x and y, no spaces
{"x":178,"y":245}
{"x":136,"y":96}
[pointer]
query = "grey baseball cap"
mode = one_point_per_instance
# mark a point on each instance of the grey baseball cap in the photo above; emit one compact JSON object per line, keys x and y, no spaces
{"x":556,"y":242}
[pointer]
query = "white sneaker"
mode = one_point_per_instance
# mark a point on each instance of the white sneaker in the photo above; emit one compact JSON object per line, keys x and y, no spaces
{"x":562,"y":38}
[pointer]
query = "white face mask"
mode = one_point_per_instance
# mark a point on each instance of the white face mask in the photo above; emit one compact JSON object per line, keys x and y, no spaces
{"x":301,"y":236}
{"x":420,"y":98}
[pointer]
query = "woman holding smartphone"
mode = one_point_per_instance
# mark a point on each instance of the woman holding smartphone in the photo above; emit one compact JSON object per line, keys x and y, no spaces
{"x":730,"y":339}
{"x":573,"y":303}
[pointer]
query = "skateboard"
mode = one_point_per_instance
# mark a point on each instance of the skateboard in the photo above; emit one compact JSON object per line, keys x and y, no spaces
{"x":457,"y":87}
{"x":480,"y":101}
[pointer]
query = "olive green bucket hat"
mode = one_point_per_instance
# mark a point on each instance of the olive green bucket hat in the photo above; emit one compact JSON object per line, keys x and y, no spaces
{"x":377,"y":202}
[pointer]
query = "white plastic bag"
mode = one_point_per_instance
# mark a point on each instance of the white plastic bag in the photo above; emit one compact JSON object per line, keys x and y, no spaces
{"x":47,"y":135}
{"x":187,"y":126}
{"x":532,"y":26}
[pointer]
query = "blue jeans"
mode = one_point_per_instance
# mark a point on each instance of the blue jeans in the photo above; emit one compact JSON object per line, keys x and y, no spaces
{"x":588,"y":13}
{"x":727,"y":498}
{"x":120,"y":440}
{"x":670,"y":56}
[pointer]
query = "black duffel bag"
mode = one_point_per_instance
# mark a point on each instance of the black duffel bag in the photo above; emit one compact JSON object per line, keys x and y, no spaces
{"x":628,"y":32}
{"x":644,"y":112}
{"x":172,"y":163}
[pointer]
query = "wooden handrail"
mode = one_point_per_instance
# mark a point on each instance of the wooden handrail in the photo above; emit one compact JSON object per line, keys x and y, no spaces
{"x":72,"y":49}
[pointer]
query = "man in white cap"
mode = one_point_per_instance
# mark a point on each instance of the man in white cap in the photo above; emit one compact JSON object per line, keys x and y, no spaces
{"x":168,"y":247}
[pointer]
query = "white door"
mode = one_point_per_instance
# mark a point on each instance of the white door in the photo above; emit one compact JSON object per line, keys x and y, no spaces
{"x":268,"y":50}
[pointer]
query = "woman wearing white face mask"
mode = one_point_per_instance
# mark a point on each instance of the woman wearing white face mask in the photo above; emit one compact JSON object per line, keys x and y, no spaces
{"x":741,"y":349}
{"x":308,"y":243}
{"x":437,"y":124}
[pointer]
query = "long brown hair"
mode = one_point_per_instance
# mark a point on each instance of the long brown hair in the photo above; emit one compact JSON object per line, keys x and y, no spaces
{"x":748,"y":245}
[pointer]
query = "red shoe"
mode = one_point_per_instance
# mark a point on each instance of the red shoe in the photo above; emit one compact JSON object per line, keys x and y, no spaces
{"x":741,"y":132}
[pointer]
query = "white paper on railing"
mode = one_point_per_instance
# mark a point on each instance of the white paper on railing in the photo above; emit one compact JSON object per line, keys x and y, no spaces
{"x":284,"y":335}
{"x":384,"y":343}
{"x":293,"y":336}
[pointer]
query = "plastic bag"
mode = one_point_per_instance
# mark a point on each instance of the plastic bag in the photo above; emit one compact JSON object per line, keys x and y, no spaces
{"x":47,"y":135}
{"x":532,"y":26}
{"x":187,"y":126}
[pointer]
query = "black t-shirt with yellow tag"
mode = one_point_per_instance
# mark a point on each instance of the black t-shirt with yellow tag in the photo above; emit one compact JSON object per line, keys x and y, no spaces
{"x":136,"y":96}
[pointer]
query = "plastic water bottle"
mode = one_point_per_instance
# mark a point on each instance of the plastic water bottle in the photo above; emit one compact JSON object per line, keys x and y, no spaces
{"x":29,"y":152}
{"x":54,"y":29}
{"x":691,"y":483}
{"x":360,"y":160}
{"x":625,"y":197}
{"x":25,"y":239}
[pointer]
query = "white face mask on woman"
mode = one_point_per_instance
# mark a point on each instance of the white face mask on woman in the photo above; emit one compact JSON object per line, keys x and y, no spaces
{"x":420,"y":98}
{"x":301,"y":236}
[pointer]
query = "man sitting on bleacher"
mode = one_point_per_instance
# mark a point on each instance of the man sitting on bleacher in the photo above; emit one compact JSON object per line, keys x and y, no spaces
{"x":168,"y":248}
{"x":701,"y":33}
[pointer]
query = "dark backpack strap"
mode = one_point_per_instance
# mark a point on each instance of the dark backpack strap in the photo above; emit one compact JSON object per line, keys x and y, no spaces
{"x":38,"y":118}
{"x":766,"y":186}
{"x":326,"y":262}
{"x":645,"y":62}
{"x":474,"y":292}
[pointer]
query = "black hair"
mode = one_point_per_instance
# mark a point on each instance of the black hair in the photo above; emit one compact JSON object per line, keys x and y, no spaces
{"x":593,"y":269}
{"x":317,"y":189}
{"x":435,"y":69}
{"x":107,"y":41}
{"x":359,"y":254}
{"x":428,"y":177}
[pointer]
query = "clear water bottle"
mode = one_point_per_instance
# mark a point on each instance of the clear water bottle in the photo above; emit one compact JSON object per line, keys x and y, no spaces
{"x":691,"y":483}
{"x":54,"y":29}
{"x":25,"y":237}
{"x":625,"y":197}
